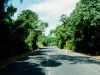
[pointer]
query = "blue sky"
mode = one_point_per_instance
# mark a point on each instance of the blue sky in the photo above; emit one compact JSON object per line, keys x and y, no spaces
{"x":48,"y":10}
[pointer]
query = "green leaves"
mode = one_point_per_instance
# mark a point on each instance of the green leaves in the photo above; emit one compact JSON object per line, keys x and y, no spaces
{"x":11,"y":10}
{"x":82,"y":26}
{"x":20,"y":35}
{"x":88,"y":26}
{"x":28,"y":21}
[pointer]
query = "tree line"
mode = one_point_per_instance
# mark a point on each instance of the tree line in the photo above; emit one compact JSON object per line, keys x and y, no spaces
{"x":19,"y":35}
{"x":81,"y":30}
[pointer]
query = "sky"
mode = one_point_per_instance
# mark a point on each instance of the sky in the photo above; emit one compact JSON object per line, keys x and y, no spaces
{"x":47,"y":10}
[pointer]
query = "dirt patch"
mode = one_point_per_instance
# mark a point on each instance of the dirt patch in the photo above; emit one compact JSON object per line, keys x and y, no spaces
{"x":96,"y":57}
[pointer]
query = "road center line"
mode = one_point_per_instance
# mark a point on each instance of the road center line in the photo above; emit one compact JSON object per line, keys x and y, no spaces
{"x":48,"y":64}
{"x":91,"y":69}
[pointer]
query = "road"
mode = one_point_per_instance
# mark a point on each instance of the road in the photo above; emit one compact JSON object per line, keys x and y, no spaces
{"x":53,"y":61}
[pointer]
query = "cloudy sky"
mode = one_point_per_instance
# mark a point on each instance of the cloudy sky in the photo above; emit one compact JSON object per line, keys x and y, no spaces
{"x":48,"y":10}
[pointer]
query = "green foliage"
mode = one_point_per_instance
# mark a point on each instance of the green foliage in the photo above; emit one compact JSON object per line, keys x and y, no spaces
{"x":70,"y":44}
{"x":87,"y":30}
{"x":60,"y":36}
{"x":43,"y":25}
{"x":24,"y":27}
{"x":81,"y":30}
{"x":20,"y":35}
{"x":6,"y":32}
{"x":42,"y":40}
{"x":51,"y":41}
{"x":3,"y":7}
{"x":84,"y":25}
{"x":40,"y":45}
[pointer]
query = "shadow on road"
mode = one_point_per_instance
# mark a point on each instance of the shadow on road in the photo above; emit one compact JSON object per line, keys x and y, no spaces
{"x":75,"y":59}
{"x":50,"y":63}
{"x":33,"y":64}
{"x":22,"y":68}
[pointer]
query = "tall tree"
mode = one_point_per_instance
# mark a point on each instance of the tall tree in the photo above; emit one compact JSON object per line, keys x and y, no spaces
{"x":82,"y":27}
{"x":3,"y":6}
{"x":6,"y":32}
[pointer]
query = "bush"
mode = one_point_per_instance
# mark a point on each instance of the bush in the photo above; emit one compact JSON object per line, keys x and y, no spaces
{"x":70,"y":44}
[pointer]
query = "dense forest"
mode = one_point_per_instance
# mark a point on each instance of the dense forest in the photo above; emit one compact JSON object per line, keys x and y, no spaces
{"x":22,"y":34}
{"x":81,"y":30}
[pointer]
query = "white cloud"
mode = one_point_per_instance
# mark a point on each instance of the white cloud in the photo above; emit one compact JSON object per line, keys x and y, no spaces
{"x":48,"y":29}
{"x":15,"y":15}
{"x":54,"y":7}
{"x":51,"y":10}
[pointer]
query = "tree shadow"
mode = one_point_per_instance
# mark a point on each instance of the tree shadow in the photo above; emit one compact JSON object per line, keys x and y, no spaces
{"x":44,"y":48}
{"x":50,"y":63}
{"x":76,"y":59}
{"x":33,"y":64}
{"x":22,"y":68}
{"x":41,"y":52}
{"x":39,"y":55}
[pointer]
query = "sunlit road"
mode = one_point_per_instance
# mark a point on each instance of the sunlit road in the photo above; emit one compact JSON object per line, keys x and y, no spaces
{"x":53,"y":61}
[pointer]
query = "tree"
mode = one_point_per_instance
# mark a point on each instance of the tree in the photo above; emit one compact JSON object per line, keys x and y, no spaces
{"x":52,"y":32}
{"x":3,"y":6}
{"x":6,"y":32}
{"x":43,"y":25}
{"x":25,"y":25}
{"x":6,"y":22}
{"x":42,"y":40}
{"x":82,"y":27}
{"x":63,"y":19}
{"x":60,"y":34}
{"x":86,"y":37}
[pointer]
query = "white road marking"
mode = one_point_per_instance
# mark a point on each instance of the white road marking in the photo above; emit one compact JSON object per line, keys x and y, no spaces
{"x":48,"y":64}
{"x":92,"y":69}
{"x":66,"y":51}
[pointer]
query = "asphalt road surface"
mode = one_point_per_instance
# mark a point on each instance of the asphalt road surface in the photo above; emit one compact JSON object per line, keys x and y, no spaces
{"x":53,"y":61}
